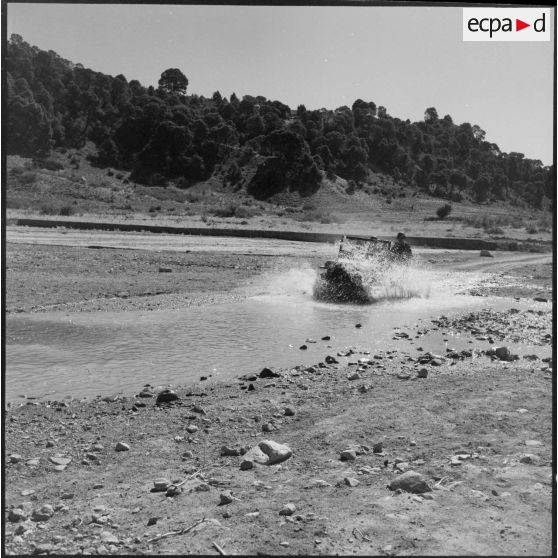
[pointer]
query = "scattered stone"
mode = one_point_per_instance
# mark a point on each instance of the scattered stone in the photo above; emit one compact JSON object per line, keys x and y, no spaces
{"x":287,"y":509}
{"x":410,"y":481}
{"x":402,"y":466}
{"x":486,"y":254}
{"x":533,"y":443}
{"x":331,"y":360}
{"x":268,"y":427}
{"x":146,"y":392}
{"x":191,"y":428}
{"x":422,"y":373}
{"x":246,"y":465}
{"x":161,"y":484}
{"x":15,"y":458}
{"x":358,"y":325}
{"x":352,"y":482}
{"x":225,"y":498}
{"x":121,"y":446}
{"x":58,"y":460}
{"x":251,"y":387}
{"x":288,"y":412}
{"x":43,"y":548}
{"x":152,"y":521}
{"x":167,"y":396}
{"x":303,"y":347}
{"x":540,"y":299}
{"x":269,"y":373}
{"x":109,"y":538}
{"x":378,"y":448}
{"x":529,"y":458}
{"x":347,"y":455}
{"x":354,"y":376}
{"x":436,"y":362}
{"x":172,"y":491}
{"x":44,"y":513}
{"x":319,"y":483}
{"x":33,"y":462}
{"x":268,"y":452}
{"x":16,"y":515}
{"x":50,"y":444}
{"x":165,"y":270}
{"x":502,"y":353}
{"x":225,"y":450}
{"x":326,"y":338}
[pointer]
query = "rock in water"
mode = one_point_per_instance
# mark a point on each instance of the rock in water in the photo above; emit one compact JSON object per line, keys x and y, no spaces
{"x":268,"y":373}
{"x":410,"y":481}
{"x":503,"y":353}
{"x":167,"y":396}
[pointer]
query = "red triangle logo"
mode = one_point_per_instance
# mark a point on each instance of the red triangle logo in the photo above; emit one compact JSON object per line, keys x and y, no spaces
{"x":519,"y":25}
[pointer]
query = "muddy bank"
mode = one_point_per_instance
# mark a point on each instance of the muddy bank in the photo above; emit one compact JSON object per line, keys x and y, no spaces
{"x":42,"y":277}
{"x":478,"y":429}
{"x":530,"y":245}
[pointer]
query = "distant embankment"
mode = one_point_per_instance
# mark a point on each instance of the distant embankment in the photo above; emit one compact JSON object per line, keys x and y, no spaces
{"x":423,"y":241}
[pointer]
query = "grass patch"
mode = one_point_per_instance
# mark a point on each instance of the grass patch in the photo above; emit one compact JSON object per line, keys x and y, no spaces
{"x":317,"y":216}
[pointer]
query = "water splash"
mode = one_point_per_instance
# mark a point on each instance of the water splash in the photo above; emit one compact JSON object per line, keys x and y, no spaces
{"x":296,"y":281}
{"x":377,"y":277}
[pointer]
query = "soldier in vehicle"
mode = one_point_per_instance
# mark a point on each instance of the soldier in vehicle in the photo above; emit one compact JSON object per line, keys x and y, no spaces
{"x":400,"y":249}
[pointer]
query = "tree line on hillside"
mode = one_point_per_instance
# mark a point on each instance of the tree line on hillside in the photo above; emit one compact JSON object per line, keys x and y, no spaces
{"x":163,"y":134}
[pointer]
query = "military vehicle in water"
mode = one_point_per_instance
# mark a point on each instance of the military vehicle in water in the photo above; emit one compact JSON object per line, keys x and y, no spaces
{"x":360,"y":263}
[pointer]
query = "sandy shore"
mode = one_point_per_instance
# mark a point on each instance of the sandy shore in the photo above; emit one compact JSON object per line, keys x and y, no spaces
{"x":69,"y":491}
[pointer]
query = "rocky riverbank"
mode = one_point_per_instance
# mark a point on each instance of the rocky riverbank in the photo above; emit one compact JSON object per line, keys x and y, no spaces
{"x":399,"y":452}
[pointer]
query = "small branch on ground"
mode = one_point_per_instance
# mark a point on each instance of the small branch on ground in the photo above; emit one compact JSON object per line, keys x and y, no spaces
{"x":180,"y":532}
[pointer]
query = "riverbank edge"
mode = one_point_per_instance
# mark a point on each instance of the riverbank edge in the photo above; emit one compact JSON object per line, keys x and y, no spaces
{"x":296,"y":236}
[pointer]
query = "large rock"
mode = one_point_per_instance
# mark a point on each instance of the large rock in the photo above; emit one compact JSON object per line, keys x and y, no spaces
{"x":44,"y":513}
{"x":503,"y":353}
{"x":268,"y":452}
{"x":410,"y":481}
{"x":268,"y":373}
{"x":167,"y":396}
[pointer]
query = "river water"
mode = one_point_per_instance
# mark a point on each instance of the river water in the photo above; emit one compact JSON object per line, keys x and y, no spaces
{"x":56,"y":354}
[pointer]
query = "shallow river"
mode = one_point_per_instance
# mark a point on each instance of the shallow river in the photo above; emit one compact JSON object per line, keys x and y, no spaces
{"x":57,"y":354}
